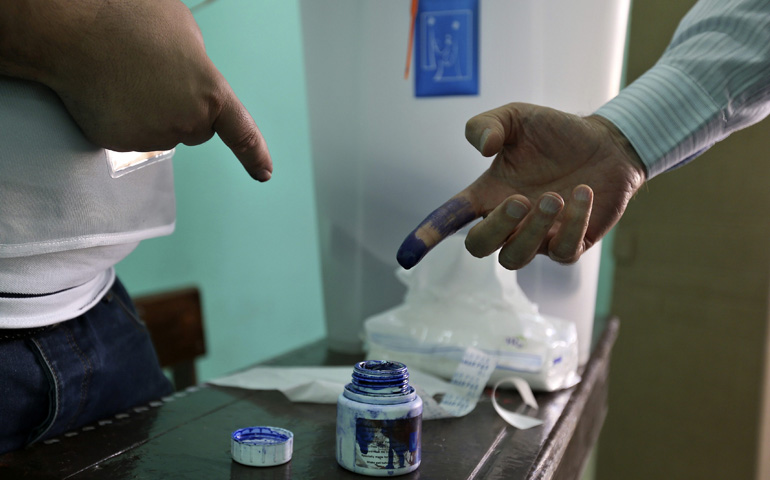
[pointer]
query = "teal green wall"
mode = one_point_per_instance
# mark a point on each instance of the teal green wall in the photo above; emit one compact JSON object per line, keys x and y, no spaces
{"x":251,"y":248}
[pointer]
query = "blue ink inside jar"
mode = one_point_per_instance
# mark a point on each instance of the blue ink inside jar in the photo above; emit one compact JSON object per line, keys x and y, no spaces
{"x":379,"y":421}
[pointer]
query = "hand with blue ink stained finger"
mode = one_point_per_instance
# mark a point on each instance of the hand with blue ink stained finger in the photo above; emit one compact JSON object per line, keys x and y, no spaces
{"x":557,"y":185}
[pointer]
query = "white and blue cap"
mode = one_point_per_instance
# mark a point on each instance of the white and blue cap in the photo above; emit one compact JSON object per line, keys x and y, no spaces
{"x":262,"y":446}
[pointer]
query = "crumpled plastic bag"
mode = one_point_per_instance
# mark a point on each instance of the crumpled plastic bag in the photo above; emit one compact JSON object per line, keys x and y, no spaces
{"x":455,"y":301}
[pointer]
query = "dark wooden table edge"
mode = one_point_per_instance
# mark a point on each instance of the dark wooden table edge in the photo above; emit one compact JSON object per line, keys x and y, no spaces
{"x":556,"y":445}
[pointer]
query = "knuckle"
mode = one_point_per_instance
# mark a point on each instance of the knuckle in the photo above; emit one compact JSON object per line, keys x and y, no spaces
{"x":193,"y":124}
{"x":202,"y":135}
{"x":248,"y":140}
{"x":196,"y":134}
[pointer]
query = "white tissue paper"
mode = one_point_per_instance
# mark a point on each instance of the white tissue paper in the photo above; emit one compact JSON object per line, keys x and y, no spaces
{"x":454,"y":302}
{"x":313,"y":384}
{"x":324,"y":385}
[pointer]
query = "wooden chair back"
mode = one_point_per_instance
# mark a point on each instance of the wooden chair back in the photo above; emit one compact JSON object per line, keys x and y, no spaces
{"x":175,"y":322}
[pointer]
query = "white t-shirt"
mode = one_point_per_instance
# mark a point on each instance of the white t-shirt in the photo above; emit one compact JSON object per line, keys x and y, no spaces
{"x":64,"y":221}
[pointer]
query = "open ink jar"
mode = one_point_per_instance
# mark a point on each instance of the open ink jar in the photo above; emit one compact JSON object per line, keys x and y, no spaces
{"x":379,"y":421}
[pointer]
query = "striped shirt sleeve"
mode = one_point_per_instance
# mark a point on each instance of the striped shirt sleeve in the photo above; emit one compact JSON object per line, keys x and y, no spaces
{"x":713,"y":79}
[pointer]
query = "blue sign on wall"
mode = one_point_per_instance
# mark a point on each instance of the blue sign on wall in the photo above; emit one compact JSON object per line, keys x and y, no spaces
{"x":447,"y":48}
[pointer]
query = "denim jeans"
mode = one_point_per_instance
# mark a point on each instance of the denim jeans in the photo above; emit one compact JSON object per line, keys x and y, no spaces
{"x":77,"y":372}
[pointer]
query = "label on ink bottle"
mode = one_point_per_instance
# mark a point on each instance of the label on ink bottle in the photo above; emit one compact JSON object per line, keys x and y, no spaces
{"x":388,"y":444}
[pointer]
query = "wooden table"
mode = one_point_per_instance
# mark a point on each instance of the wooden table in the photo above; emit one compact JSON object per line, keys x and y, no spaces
{"x":187,"y":436}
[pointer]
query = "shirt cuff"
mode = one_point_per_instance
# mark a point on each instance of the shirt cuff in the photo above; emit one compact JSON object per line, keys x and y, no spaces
{"x":668,"y":118}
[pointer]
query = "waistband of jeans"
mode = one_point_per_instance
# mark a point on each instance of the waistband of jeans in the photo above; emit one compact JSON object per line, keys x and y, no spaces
{"x":9,"y":334}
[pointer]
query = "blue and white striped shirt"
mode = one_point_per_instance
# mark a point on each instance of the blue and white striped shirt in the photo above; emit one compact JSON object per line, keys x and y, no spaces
{"x":713,"y":79}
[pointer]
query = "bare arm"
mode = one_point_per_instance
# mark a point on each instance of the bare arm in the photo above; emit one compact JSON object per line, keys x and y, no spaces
{"x":134,"y":75}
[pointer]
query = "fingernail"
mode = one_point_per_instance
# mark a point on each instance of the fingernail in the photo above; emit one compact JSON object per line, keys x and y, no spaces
{"x":262,"y":175}
{"x":516,"y":209}
{"x":484,"y":137}
{"x":411,"y":251}
{"x":549,"y":204}
{"x":582,"y":195}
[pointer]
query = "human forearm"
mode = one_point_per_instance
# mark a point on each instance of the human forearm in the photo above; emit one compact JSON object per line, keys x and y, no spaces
{"x":37,"y":36}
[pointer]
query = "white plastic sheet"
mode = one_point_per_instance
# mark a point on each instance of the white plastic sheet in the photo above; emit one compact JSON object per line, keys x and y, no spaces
{"x":455,"y":302}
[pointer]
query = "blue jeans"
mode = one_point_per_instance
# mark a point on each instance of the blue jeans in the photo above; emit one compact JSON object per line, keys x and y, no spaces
{"x":77,"y":372}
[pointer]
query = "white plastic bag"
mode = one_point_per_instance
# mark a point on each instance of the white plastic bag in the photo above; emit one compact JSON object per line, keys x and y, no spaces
{"x":455,"y":301}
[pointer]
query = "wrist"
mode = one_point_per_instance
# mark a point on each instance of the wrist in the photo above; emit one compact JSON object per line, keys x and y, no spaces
{"x":620,"y":141}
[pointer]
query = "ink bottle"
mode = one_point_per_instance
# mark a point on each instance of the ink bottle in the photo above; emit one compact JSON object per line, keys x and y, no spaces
{"x":379,"y":421}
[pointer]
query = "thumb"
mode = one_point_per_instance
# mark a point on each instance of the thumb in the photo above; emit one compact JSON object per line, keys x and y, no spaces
{"x":486,"y":132}
{"x":239,"y":132}
{"x":489,"y":131}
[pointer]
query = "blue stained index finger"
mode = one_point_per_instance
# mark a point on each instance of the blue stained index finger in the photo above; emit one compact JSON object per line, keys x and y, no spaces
{"x":441,"y":223}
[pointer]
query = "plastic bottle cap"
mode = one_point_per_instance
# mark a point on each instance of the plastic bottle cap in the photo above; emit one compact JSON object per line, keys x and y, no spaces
{"x":262,"y":446}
